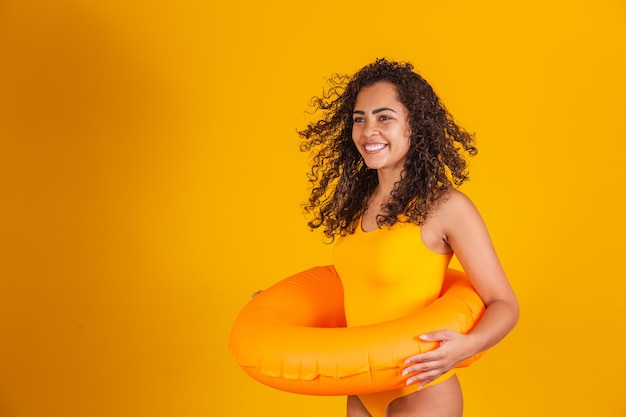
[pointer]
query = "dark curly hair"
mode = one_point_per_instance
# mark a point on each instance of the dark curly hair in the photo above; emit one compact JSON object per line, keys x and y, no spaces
{"x":341,"y":182}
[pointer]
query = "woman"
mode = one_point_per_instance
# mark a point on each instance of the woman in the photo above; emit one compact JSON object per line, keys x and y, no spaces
{"x":387,"y":158}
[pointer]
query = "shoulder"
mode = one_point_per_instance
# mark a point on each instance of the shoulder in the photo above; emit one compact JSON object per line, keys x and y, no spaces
{"x":456,"y":215}
{"x":447,"y":216}
{"x":453,"y":203}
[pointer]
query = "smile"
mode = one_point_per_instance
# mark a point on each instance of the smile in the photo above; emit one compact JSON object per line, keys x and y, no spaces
{"x":373,"y":147}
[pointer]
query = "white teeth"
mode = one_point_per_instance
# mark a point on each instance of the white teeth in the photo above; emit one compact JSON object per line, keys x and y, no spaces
{"x":372,"y":147}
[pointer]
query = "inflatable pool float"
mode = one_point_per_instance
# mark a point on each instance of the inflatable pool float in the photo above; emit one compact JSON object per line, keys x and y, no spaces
{"x":293,"y":335}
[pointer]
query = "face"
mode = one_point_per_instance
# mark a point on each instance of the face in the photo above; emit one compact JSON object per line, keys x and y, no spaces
{"x":380,"y":129}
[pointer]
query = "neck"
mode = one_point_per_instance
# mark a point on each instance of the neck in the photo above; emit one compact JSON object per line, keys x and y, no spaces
{"x":386,"y":182}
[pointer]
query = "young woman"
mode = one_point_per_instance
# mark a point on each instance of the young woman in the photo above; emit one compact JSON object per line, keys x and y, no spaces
{"x":387,"y":161}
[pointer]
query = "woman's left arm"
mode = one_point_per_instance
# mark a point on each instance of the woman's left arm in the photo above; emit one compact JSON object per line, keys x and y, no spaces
{"x":466,"y":234}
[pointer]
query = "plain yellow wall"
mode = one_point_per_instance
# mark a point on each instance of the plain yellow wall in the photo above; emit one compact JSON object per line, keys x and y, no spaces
{"x":151,"y":180}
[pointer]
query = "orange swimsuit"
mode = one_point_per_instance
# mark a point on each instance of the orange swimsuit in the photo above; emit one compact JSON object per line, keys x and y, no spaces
{"x":386,"y":274}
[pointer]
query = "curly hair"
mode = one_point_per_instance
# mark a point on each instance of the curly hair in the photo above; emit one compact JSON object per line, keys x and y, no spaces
{"x":341,"y":182}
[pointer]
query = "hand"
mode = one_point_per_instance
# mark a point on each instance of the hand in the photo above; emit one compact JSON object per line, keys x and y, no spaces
{"x":426,"y":367}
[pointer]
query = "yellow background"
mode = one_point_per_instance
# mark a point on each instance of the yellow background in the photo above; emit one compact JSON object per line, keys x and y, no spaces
{"x":150,"y":181}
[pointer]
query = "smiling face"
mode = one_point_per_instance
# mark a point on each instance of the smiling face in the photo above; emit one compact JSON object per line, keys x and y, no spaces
{"x":380,"y":128}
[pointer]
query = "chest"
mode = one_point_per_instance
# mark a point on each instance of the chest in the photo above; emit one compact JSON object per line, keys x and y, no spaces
{"x":387,"y":273}
{"x":387,"y":256}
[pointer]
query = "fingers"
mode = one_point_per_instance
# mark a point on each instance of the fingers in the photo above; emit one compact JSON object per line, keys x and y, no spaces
{"x":426,"y":367}
{"x":430,"y":356}
{"x":439,"y":336}
{"x":423,"y":373}
{"x":424,"y":378}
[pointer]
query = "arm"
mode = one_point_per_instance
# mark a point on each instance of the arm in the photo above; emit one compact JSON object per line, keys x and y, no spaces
{"x":464,"y":231}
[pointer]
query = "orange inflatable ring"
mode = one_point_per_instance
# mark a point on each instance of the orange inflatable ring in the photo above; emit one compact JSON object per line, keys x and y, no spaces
{"x":292,"y":336}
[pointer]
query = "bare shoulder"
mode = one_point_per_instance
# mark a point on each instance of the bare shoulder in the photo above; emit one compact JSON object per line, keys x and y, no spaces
{"x":450,"y":212}
{"x":457,"y":217}
{"x":454,"y":203}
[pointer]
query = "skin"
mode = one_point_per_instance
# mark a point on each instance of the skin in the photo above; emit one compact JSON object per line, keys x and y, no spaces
{"x":443,"y":400}
{"x":381,"y":133}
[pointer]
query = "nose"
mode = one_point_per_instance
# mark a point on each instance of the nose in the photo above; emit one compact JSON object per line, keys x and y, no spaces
{"x":369,"y":129}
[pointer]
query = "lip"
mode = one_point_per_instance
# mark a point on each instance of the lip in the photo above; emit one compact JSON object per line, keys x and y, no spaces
{"x":374,"y":147}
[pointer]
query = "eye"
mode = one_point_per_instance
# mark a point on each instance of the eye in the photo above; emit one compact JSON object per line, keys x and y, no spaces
{"x":357,"y":120}
{"x":383,"y":117}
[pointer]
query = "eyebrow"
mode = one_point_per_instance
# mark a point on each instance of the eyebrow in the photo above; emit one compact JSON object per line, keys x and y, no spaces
{"x":375,"y":111}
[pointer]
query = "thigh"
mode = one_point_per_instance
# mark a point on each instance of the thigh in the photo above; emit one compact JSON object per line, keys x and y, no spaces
{"x":440,"y":400}
{"x":356,"y":407}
